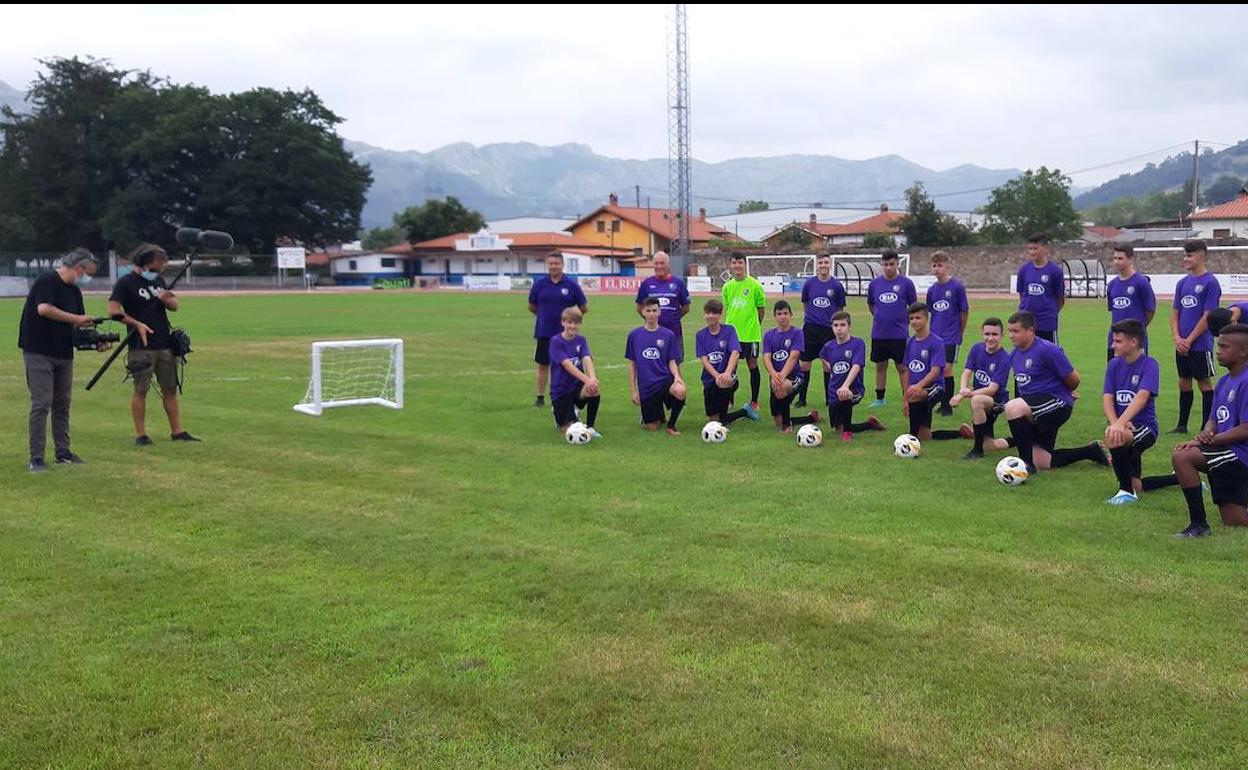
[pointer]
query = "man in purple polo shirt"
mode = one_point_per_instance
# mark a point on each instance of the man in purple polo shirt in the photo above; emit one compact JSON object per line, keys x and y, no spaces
{"x":1129,"y":295}
{"x":673,"y":298}
{"x":946,"y":299}
{"x":822,"y":297}
{"x":888,"y":296}
{"x":654,"y":379}
{"x":1198,"y":293}
{"x":1041,"y":287}
{"x":1220,"y":450}
{"x":547,"y":299}
{"x":1047,"y":388}
{"x":782,"y":347}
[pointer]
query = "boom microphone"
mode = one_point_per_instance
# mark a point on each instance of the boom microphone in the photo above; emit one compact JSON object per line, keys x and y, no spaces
{"x":188,"y":236}
{"x":215,"y":240}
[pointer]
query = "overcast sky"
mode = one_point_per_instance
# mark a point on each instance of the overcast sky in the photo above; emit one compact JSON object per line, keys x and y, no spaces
{"x":1072,"y":87}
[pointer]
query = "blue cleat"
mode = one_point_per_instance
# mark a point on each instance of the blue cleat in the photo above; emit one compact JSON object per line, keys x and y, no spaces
{"x":1122,"y":498}
{"x":751,"y":412}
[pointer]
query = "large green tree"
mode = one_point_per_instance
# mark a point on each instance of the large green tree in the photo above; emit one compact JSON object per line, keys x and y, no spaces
{"x":435,"y":218}
{"x":749,"y":206}
{"x":925,"y":225}
{"x":1038,"y":201}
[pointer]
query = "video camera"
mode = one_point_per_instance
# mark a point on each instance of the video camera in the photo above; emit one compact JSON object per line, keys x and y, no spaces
{"x":92,"y":338}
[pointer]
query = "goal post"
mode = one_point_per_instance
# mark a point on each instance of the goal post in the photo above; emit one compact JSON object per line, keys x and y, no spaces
{"x":354,"y":373}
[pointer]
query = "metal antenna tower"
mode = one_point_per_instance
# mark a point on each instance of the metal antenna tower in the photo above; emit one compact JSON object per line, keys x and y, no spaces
{"x":679,"y":166}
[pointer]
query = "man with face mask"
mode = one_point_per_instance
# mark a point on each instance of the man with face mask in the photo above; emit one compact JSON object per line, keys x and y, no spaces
{"x":143,"y":300}
{"x":53,"y":310}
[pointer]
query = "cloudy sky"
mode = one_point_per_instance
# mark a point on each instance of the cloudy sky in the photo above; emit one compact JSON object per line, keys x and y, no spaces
{"x":1072,"y":87}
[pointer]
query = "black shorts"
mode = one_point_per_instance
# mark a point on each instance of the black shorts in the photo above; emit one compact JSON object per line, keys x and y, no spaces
{"x":678,"y":348}
{"x":751,"y":349}
{"x":885,"y":350}
{"x":1228,"y":477}
{"x":542,"y":354}
{"x":854,"y":400}
{"x":951,"y":354}
{"x":717,"y":400}
{"x":780,"y":406}
{"x":1048,"y":414}
{"x":1051,"y":336}
{"x":653,"y":406}
{"x":565,"y":407}
{"x":814,"y":337}
{"x":1196,"y":365}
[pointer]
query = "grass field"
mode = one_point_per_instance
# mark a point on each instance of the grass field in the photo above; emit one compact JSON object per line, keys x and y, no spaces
{"x":453,"y":586}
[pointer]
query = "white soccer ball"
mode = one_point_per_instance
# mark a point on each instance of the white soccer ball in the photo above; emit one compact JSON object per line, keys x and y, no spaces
{"x":578,"y":433}
{"x":809,"y":436}
{"x":714,"y":432}
{"x":907,"y":446}
{"x":1012,"y":471}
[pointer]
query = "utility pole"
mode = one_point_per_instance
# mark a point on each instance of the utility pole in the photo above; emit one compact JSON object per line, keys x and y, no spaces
{"x":679,"y":165}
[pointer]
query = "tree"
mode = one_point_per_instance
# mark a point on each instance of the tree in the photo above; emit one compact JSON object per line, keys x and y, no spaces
{"x":794,"y":236}
{"x":748,"y":206}
{"x":879,"y":240}
{"x":1037,"y":201}
{"x":435,"y":218}
{"x":1223,"y":189}
{"x":926,"y":225}
{"x":379,"y":238}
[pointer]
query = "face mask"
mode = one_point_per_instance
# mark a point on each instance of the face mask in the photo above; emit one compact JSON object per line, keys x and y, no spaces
{"x":83,"y":279}
{"x":150,"y":275}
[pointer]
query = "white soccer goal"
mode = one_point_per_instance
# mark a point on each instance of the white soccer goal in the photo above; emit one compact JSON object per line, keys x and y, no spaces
{"x":354,"y":373}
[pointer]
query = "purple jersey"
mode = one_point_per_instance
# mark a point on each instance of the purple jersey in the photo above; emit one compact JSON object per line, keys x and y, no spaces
{"x":947,"y":302}
{"x":717,"y":348}
{"x":1243,"y":311}
{"x":987,"y":368}
{"x":1230,"y":408}
{"x":1195,"y":296}
{"x":822,"y":299}
{"x":1042,"y":370}
{"x":561,"y":349}
{"x":1039,"y":289}
{"x":781,"y":346}
{"x":889,"y":301}
{"x":840,"y":358}
{"x":1130,"y":299}
{"x":650,"y":352}
{"x":551,"y":298}
{"x":924,"y":355}
{"x":1124,"y":380}
{"x":672,"y":295}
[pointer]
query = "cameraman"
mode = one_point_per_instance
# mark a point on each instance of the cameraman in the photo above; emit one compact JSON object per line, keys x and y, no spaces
{"x":143,"y":298}
{"x":53,"y":309}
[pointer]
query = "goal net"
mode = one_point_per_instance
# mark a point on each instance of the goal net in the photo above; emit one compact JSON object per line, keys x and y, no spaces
{"x":353,"y":373}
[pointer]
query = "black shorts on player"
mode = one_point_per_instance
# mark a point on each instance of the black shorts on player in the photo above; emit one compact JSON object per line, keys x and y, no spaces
{"x":1195,"y":365}
{"x":886,"y":350}
{"x":565,"y":408}
{"x":1051,"y":336}
{"x":717,"y":400}
{"x":1048,"y":415}
{"x":652,"y":407}
{"x":951,"y":354}
{"x":1228,"y":477}
{"x":814,"y":337}
{"x":541,"y":353}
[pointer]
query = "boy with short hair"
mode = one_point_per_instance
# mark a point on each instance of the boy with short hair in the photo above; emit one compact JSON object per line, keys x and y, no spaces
{"x":654,"y":379}
{"x":781,"y":348}
{"x":573,"y":382}
{"x":718,"y":351}
{"x":844,"y":358}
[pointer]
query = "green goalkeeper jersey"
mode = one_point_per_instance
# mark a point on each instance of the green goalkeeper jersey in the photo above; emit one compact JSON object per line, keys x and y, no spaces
{"x":742,"y":299}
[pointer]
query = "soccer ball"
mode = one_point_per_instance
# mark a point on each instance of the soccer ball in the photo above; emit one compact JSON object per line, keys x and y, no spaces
{"x":577,"y":433}
{"x":809,"y":436}
{"x":907,"y":446}
{"x":714,"y":432}
{"x":1012,"y":471}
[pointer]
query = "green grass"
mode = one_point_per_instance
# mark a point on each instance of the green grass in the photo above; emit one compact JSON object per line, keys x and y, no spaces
{"x":453,"y":586}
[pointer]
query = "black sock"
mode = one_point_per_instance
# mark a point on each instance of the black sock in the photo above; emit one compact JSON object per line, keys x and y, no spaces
{"x":879,"y":394}
{"x":859,"y":427}
{"x":804,"y":420}
{"x":1064,"y":457}
{"x":801,"y":389}
{"x":675,"y":405}
{"x":981,"y":433}
{"x":1010,"y":442}
{"x":1022,"y":431}
{"x":1159,"y":482}
{"x":755,"y":381}
{"x":948,"y":394}
{"x":1122,"y":467}
{"x":732,"y":417}
{"x":1195,"y":505}
{"x":1206,"y":405}
{"x":1185,"y":406}
{"x":945,"y":435}
{"x":827,"y":380}
{"x":591,"y":410}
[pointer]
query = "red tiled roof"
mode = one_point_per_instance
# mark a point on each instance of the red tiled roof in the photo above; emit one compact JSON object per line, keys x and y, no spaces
{"x":518,"y":241}
{"x":662,"y":222}
{"x":1104,"y":231}
{"x":885,"y":221}
{"x":1236,"y":209}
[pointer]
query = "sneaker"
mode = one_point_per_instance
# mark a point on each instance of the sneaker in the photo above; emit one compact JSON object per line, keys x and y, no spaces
{"x":966,"y":431}
{"x":1102,"y":457}
{"x":1182,"y":431}
{"x":594,"y":432}
{"x":143,"y":440}
{"x":184,"y":436}
{"x":875,"y":423}
{"x":36,"y":465}
{"x":70,"y":459}
{"x":751,"y":411}
{"x":814,"y":416}
{"x":1194,"y":530}
{"x":877,"y":404}
{"x":847,"y":436}
{"x":974,"y":454}
{"x":1122,"y":498}
{"x":754,"y":405}
{"x":799,"y":404}
{"x":672,"y":431}
{"x":540,"y":401}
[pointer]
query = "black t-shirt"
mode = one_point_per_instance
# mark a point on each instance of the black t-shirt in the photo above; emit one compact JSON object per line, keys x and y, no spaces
{"x":140,"y":298}
{"x":43,"y":335}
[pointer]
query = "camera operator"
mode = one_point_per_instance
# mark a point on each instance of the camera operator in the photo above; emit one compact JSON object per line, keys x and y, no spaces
{"x":143,"y":299}
{"x":53,"y":310}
